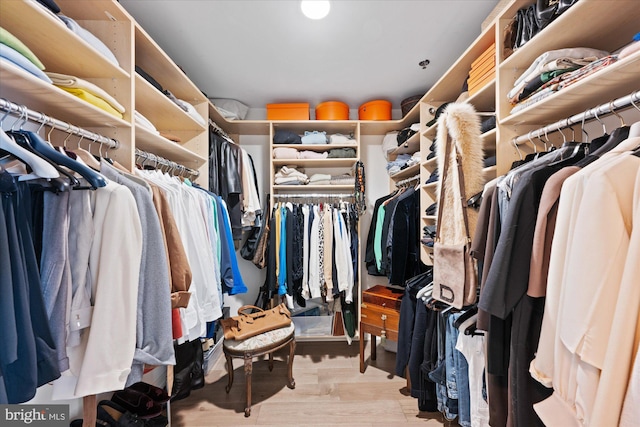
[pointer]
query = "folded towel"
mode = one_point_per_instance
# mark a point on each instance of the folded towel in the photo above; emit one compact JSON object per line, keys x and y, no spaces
{"x":64,"y":80}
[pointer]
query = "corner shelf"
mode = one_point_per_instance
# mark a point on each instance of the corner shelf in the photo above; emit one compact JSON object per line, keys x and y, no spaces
{"x":410,"y":146}
{"x":149,"y":141}
{"x":406,"y":173}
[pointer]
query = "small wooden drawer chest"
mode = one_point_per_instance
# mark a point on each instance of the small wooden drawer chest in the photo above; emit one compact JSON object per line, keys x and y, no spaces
{"x":379,"y":316}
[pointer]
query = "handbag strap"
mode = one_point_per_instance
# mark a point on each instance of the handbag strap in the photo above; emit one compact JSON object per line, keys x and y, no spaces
{"x":248,"y":307}
{"x":448,"y":142}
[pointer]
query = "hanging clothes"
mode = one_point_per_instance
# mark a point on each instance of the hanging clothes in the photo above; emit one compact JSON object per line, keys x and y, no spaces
{"x":311,"y":251}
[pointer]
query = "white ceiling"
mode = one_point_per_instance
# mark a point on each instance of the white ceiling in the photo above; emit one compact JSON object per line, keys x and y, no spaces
{"x":266,"y":51}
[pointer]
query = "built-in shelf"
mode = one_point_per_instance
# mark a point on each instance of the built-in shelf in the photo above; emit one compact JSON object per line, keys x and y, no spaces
{"x":151,"y":58}
{"x":489,"y":173}
{"x":161,"y":111}
{"x":53,"y":43}
{"x":148,"y":141}
{"x":429,"y":218}
{"x":39,"y":95}
{"x":431,"y":187}
{"x":313,"y":163}
{"x":306,"y":188}
{"x":410,"y":146}
{"x":316,"y":147}
{"x":489,"y":140}
{"x":616,"y":80}
{"x":430,"y":164}
{"x":406,"y":173}
{"x":485,"y":98}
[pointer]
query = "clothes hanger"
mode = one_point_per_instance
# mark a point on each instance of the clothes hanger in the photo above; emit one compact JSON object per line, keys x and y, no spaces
{"x":86,"y":156}
{"x":42,"y":148}
{"x":617,"y":136}
{"x":634,"y":131}
{"x":517,"y":162}
{"x":39,"y":166}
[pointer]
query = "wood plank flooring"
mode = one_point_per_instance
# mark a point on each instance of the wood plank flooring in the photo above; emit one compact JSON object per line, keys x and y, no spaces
{"x":330,"y":391}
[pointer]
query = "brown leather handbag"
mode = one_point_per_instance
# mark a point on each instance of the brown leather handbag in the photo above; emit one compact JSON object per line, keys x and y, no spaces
{"x":246,"y":325}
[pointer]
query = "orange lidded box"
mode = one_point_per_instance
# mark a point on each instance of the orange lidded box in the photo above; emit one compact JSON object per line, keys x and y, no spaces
{"x":332,"y":110}
{"x":295,"y":111}
{"x":379,"y":109}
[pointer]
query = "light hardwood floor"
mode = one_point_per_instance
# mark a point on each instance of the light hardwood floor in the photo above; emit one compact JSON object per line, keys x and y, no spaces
{"x":330,"y":391}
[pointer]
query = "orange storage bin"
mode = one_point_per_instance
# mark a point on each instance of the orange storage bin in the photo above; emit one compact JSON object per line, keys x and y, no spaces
{"x":379,"y":109}
{"x":295,"y":111}
{"x":332,"y":110}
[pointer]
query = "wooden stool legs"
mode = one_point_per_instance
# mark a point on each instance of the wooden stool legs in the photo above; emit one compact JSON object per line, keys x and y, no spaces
{"x":247,"y":357}
{"x":230,"y":370}
{"x":292,"y":349}
{"x":248,"y":367}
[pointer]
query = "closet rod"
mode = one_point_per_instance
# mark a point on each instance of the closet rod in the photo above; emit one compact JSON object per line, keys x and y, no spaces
{"x":166,"y":162}
{"x":313,"y":195}
{"x":36,"y":116}
{"x":609,"y":107}
{"x":408,"y":180}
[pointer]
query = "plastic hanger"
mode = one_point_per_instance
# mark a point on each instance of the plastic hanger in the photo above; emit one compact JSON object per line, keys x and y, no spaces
{"x":45,"y":150}
{"x":40,"y":167}
{"x":87,"y":157}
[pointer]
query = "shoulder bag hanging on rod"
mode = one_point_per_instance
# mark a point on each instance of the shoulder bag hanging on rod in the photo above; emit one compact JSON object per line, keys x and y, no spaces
{"x":455,"y":278}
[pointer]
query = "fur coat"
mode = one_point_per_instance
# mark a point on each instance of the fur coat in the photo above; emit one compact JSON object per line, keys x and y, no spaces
{"x":462,"y":124}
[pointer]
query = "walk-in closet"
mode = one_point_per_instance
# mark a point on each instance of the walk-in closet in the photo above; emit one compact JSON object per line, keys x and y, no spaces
{"x":357,"y":213}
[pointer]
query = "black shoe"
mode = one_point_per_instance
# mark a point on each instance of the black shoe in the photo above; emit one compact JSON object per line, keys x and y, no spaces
{"x":181,"y":384}
{"x":137,"y":403}
{"x":113,"y":415}
{"x":156,"y":393}
{"x":197,"y":370}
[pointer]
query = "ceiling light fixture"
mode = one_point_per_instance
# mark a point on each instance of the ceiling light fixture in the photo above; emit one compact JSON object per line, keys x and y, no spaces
{"x":313,"y":9}
{"x":424,"y":63}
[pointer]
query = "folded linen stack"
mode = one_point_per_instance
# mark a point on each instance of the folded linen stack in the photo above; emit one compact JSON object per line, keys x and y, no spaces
{"x":88,"y":92}
{"x":289,"y":175}
{"x":18,"y":54}
{"x":545,"y":74}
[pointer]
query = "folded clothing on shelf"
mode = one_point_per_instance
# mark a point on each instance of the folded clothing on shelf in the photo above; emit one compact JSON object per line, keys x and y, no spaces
{"x":339,"y":138}
{"x":285,"y":153}
{"x":344,"y":179}
{"x":144,"y":122}
{"x":320,"y":179}
{"x":433,"y":177}
{"x":92,"y":99}
{"x":487,"y":124}
{"x":13,"y":42}
{"x":342,"y":153}
{"x":88,"y":37}
{"x":13,"y":56}
{"x":314,"y":137}
{"x":65,"y":80}
{"x":289,"y":175}
{"x":286,"y":137}
{"x":396,"y":165}
{"x":308,"y":154}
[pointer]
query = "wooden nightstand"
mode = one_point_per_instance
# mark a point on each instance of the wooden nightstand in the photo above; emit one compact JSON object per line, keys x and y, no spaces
{"x":379,"y":316}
